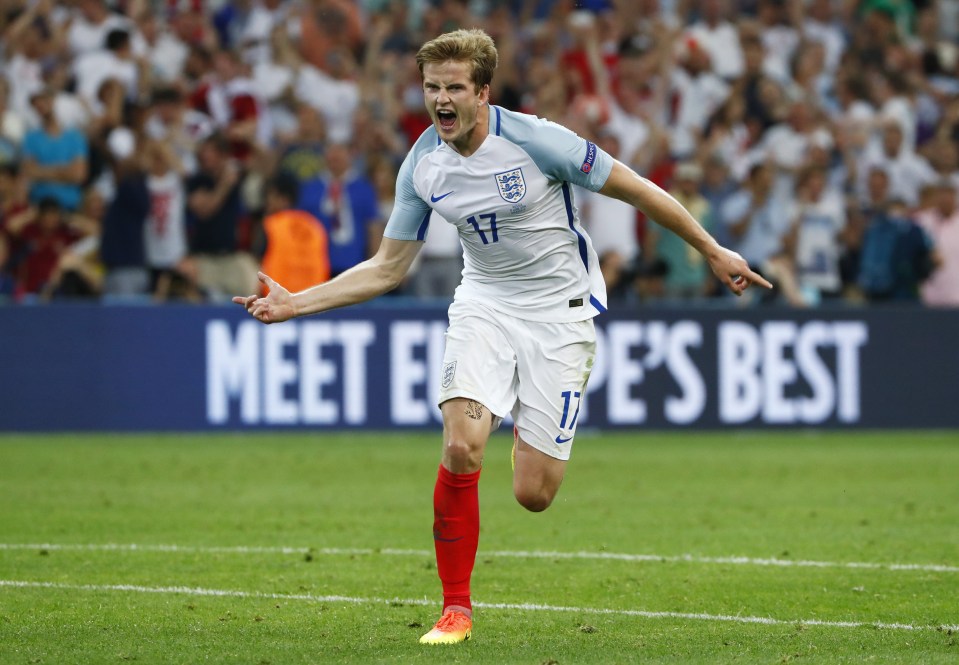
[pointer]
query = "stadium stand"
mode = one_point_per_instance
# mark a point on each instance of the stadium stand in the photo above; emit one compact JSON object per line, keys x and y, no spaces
{"x":805,"y":133}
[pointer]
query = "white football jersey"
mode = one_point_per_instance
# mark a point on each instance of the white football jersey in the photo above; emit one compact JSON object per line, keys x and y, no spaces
{"x":525,"y":253}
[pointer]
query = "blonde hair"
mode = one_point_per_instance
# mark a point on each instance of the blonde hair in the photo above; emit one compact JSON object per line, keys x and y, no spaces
{"x":472,"y":46}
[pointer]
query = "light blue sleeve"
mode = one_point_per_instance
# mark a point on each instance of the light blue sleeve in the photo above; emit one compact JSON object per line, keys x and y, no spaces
{"x":410,"y":218}
{"x":558,"y":152}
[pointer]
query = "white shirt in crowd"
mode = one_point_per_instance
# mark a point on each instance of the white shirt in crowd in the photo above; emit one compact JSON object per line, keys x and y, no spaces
{"x":830,"y":36}
{"x":699,"y":98}
{"x":167,"y":56}
{"x":908,"y":173}
{"x":165,"y":233}
{"x":336,"y":99}
{"x":722,"y":43}
{"x":84,"y":36}
{"x":94,"y":67}
{"x":768,"y":225}
{"x":779,"y":43}
{"x":817,"y":243}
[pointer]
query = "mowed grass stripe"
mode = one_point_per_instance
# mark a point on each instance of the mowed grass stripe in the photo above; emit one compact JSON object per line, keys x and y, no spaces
{"x":521,"y":607}
{"x":519,"y":554}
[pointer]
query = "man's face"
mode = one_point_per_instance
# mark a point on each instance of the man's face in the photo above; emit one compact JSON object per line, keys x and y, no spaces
{"x":169,"y":112}
{"x":49,"y":219}
{"x":892,"y":140}
{"x":210,"y":158}
{"x":43,"y":105}
{"x":338,"y":159}
{"x":946,"y":200}
{"x":452,"y":100}
{"x":878,"y":186}
{"x":763,"y":179}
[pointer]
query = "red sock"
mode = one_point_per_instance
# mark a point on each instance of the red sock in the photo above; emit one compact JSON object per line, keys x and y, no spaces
{"x":456,"y":533}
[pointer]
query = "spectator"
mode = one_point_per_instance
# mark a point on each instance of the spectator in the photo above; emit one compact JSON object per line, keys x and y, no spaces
{"x":687,"y":275}
{"x":301,"y":152}
{"x":779,"y":37}
{"x":333,"y":91}
{"x":215,"y":264}
{"x":345,"y":200}
{"x":297,"y":248}
{"x":821,"y":25}
{"x":328,"y":26}
{"x":42,"y":234}
{"x":941,"y":222}
{"x":165,"y":51}
{"x":754,"y":220}
{"x":699,"y":92}
{"x":91,"y":24}
{"x":231,"y":99}
{"x":896,"y":257}
{"x":54,"y":158}
{"x":179,"y":127}
{"x":114,"y":61}
{"x":820,"y":218}
{"x":165,"y":234}
{"x":122,"y":246}
{"x":13,"y":201}
{"x":860,"y":89}
{"x":26,"y":47}
{"x":12,"y":127}
{"x":908,"y":171}
{"x":720,"y":39}
{"x":716,"y":187}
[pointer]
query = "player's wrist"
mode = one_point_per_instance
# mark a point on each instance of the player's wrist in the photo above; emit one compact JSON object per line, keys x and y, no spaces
{"x":295,"y":306}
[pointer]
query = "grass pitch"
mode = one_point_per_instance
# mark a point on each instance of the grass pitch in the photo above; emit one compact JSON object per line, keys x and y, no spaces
{"x":304,"y":549}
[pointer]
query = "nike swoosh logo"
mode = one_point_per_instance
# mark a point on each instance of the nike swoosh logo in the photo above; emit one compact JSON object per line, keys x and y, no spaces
{"x":560,"y":439}
{"x":446,"y":540}
{"x":434,"y":199}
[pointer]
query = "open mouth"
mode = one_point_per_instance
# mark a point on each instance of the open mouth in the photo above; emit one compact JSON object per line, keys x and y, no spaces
{"x":446,"y":119}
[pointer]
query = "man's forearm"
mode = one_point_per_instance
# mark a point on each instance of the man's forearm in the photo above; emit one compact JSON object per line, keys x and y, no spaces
{"x":660,"y":206}
{"x":360,"y":283}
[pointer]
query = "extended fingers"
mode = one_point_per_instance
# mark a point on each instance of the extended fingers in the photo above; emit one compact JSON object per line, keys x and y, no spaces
{"x":756,"y":278}
{"x":246,"y":301}
{"x":266,"y":279}
{"x":739,"y":283}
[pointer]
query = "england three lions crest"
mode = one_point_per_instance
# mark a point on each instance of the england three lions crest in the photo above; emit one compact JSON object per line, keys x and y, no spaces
{"x":512,"y":185}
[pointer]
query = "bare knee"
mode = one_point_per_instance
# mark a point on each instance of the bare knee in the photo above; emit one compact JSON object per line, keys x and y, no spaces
{"x":534,"y":500}
{"x":461,"y":456}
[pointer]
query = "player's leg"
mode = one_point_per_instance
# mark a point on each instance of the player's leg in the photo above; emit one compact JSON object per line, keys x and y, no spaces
{"x":478,"y":383}
{"x":466,"y":427}
{"x":536,"y":477}
{"x":553,"y":365}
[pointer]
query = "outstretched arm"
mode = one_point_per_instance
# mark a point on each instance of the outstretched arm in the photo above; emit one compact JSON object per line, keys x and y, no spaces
{"x":731,"y":269}
{"x":364,"y":281}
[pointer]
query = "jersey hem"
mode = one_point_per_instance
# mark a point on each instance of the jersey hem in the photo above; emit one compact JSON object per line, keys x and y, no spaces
{"x":585,"y":314}
{"x":460,"y":393}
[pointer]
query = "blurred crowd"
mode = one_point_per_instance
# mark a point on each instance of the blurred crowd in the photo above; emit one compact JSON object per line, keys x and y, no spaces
{"x":167,"y":149}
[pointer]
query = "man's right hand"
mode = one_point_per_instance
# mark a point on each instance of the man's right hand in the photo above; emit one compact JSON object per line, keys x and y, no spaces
{"x":272,"y":308}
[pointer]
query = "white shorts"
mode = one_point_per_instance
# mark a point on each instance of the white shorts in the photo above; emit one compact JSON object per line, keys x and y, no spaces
{"x":536,"y":371}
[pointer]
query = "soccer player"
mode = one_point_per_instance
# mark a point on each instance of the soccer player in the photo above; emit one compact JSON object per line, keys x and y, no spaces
{"x":521,"y":337}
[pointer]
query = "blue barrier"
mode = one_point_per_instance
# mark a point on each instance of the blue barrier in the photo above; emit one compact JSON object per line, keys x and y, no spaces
{"x":72,"y":368}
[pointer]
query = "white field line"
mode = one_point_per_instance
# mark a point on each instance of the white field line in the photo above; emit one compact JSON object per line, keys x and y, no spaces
{"x":514,"y":554}
{"x":522,"y":607}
